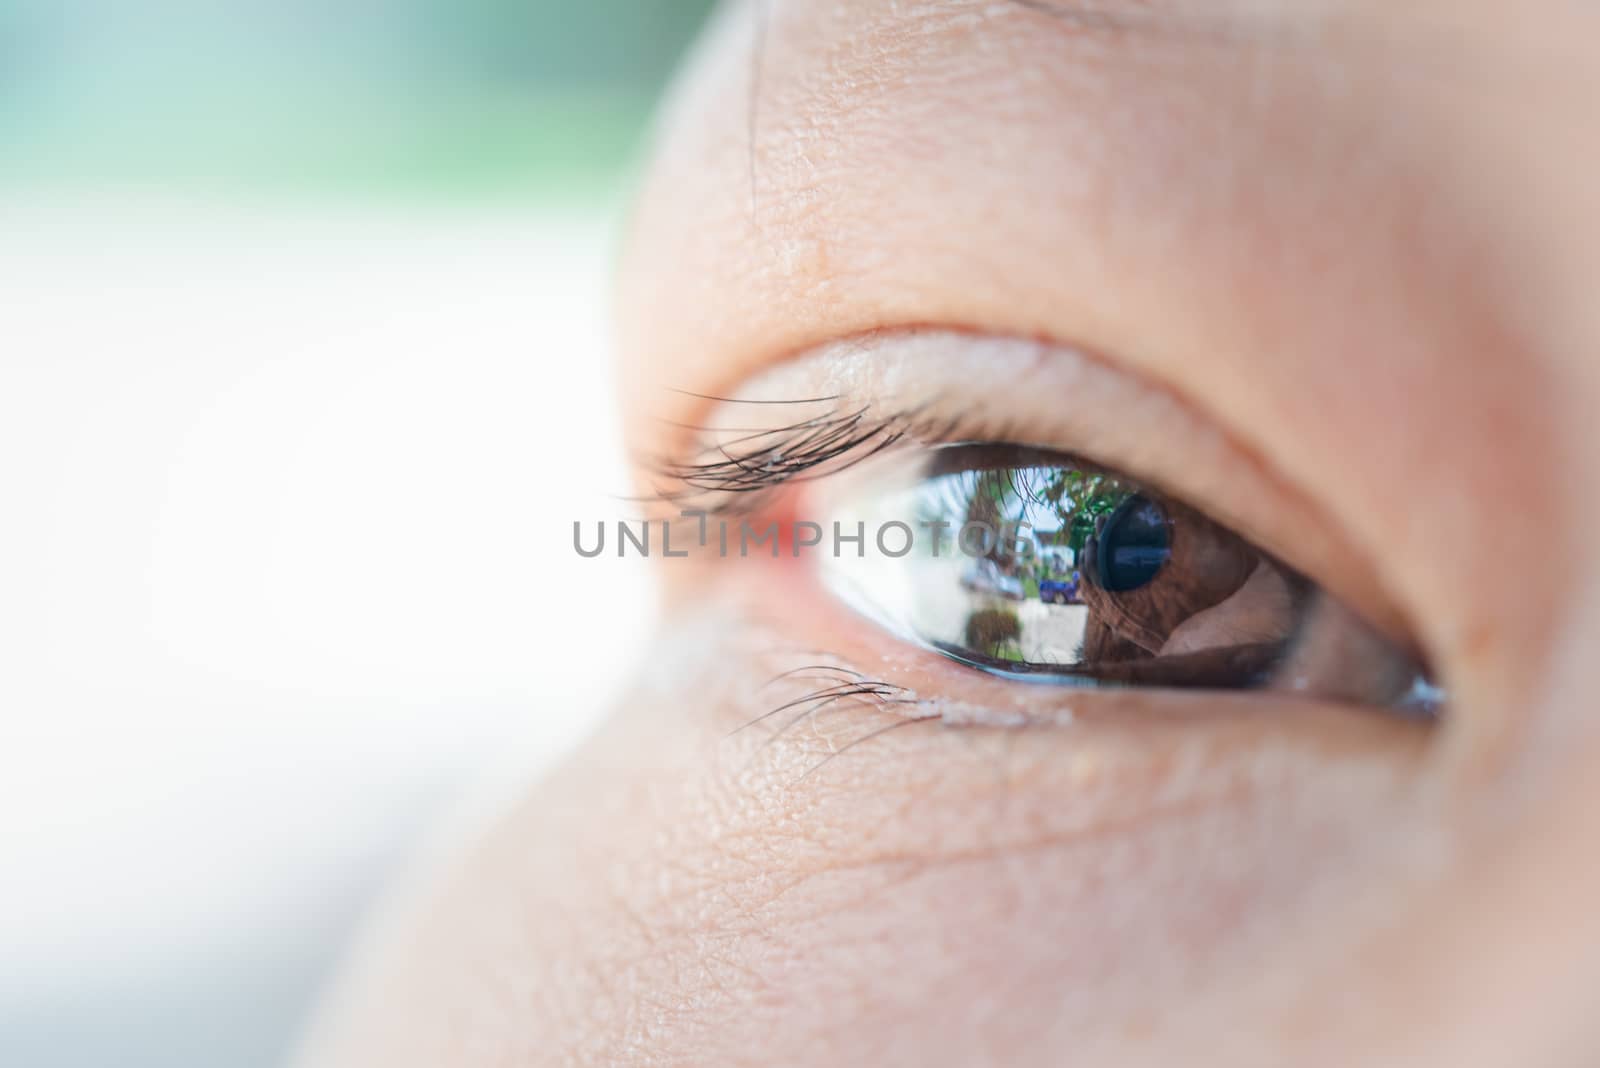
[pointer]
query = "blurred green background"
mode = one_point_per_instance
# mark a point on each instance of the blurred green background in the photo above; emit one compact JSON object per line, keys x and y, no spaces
{"x":428,"y":97}
{"x":284,"y":282}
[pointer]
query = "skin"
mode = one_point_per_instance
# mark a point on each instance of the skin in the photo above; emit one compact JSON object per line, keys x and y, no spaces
{"x":1331,"y":264}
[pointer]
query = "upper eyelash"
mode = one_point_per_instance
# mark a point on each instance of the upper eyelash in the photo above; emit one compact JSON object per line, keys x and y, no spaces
{"x":764,"y":458}
{"x":732,"y":476}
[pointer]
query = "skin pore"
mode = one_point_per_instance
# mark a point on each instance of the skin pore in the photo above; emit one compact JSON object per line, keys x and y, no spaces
{"x":1330,"y":266}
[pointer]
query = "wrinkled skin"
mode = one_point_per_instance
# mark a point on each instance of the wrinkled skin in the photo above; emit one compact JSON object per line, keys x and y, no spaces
{"x":1348,"y":250}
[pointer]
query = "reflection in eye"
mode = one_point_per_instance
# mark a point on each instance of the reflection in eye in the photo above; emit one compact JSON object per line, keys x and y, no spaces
{"x":1035,"y":565}
{"x":1133,"y":545}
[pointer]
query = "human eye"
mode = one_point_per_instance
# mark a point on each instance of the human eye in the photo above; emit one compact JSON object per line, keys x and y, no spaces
{"x":1037,"y":517}
{"x":1038,"y":566}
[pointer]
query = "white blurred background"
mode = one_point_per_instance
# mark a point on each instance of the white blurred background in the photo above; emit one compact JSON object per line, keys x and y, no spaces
{"x":300,"y":394}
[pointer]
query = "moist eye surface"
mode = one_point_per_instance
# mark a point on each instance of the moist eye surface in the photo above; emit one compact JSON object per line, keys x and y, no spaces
{"x":1040,"y":566}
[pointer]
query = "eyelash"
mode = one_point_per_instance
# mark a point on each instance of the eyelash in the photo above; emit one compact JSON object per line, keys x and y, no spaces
{"x":740,"y":483}
{"x":735,"y":471}
{"x":839,"y":685}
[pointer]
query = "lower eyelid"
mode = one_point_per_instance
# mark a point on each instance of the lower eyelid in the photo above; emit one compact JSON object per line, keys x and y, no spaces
{"x":804,"y":624}
{"x":950,"y":777}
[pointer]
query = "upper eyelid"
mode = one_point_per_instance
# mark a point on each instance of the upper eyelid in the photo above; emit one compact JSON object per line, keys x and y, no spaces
{"x":700,"y":463}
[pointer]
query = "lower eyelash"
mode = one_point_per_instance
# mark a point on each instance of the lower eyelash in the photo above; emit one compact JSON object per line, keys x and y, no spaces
{"x":838,"y":685}
{"x":834,"y":686}
{"x":871,"y":735}
{"x":847,"y":685}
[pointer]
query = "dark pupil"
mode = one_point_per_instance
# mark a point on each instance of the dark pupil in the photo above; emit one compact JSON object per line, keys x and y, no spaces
{"x":1132,"y":546}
